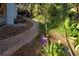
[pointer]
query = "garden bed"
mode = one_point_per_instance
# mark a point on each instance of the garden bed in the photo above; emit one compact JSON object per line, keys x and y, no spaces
{"x":32,"y":47}
{"x":11,"y":44}
{"x":20,"y":27}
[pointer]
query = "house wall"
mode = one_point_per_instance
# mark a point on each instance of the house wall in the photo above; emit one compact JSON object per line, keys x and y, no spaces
{"x":11,"y":13}
{"x":8,"y":12}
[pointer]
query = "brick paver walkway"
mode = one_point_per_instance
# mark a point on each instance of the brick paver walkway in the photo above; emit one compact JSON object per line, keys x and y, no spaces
{"x":11,"y":45}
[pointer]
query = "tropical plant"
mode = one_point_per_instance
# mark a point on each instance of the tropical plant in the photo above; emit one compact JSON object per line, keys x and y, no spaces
{"x":49,"y":48}
{"x":58,"y":17}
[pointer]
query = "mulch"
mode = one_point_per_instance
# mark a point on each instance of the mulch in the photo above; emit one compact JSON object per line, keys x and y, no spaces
{"x":30,"y":49}
{"x":9,"y":31}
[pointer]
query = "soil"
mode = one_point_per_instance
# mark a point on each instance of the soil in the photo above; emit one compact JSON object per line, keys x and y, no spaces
{"x":9,"y":31}
{"x":29,"y":49}
{"x":54,"y":37}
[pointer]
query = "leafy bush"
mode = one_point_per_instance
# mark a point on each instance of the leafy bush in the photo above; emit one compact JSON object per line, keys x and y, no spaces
{"x":72,"y":31}
{"x":56,"y":17}
{"x":54,"y":49}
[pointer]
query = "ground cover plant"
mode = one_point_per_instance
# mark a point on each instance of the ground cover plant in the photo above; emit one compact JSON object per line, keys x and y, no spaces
{"x":58,"y":28}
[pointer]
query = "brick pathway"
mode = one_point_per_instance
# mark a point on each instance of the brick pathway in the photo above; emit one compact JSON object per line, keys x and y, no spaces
{"x":11,"y":45}
{"x":29,"y":49}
